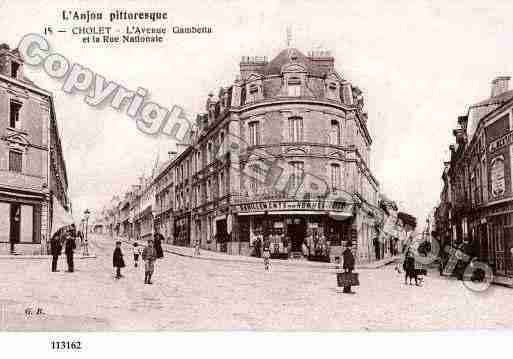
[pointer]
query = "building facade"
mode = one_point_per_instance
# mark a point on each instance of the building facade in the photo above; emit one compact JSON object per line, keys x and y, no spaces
{"x":33,"y":179}
{"x":283,"y":152}
{"x":476,"y":202}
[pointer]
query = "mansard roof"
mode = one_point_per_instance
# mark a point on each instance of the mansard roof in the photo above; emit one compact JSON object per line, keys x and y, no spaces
{"x":293,"y":55}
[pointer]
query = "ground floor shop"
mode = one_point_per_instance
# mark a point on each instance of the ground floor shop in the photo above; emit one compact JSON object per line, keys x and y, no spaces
{"x":313,"y":235}
{"x":495,"y":234}
{"x":23,"y":223}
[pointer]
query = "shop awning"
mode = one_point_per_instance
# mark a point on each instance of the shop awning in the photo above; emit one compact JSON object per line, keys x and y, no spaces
{"x":340,"y":216}
{"x":251,"y":214}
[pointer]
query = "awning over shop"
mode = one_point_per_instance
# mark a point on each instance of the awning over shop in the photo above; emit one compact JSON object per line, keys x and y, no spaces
{"x":250,"y":214}
{"x":340,"y":216}
{"x":61,"y":217}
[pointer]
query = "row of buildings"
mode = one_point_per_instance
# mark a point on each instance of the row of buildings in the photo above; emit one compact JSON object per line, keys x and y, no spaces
{"x":283,"y":150}
{"x":34,"y":198}
{"x":476,"y":201}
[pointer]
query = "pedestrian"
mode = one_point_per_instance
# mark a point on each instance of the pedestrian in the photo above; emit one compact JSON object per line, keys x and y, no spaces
{"x":409,"y":268}
{"x":56,"y":249}
{"x":137,"y":252}
{"x":266,"y":254}
{"x":69,"y":249}
{"x":117,"y":259}
{"x":197,"y":247}
{"x":304,"y":249}
{"x":149,"y":256}
{"x":158,"y":244}
{"x":348,"y":265}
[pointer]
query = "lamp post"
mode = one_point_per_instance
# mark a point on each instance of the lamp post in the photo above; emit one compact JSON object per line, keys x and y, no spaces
{"x":86,"y":246}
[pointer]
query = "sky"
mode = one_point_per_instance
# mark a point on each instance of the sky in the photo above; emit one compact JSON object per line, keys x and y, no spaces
{"x":420,"y":64}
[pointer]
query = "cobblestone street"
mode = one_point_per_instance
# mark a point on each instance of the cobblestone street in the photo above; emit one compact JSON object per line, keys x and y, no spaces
{"x":193,"y":294}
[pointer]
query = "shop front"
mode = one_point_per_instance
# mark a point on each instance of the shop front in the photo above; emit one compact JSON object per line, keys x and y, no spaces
{"x":21,"y":224}
{"x":315,"y":229}
{"x":499,"y":252}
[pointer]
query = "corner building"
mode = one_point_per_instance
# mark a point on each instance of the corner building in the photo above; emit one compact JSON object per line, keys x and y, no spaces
{"x":284,"y":150}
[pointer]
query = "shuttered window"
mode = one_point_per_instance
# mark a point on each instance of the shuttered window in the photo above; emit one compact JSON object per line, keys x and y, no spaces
{"x":15,"y":161}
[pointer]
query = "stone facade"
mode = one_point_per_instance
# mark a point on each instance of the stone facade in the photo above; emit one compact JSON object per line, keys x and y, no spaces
{"x":32,"y":169}
{"x":283,"y":151}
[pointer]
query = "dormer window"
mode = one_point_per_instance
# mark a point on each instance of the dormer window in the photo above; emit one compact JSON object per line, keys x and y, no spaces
{"x":15,"y":67}
{"x":294,"y":87}
{"x":253,"y":89}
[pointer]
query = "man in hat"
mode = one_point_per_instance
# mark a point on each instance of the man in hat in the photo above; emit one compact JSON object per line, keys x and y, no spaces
{"x":149,"y":255}
{"x":69,"y":249}
{"x":348,"y":264}
{"x":117,"y":259}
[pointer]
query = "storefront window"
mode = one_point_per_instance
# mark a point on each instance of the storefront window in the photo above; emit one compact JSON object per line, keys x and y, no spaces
{"x":4,"y":221}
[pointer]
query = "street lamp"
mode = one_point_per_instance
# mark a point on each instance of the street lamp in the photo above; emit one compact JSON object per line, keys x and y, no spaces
{"x":86,"y":216}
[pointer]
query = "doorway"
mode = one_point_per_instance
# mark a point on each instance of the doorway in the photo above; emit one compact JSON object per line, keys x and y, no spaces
{"x":15,"y":223}
{"x":296,"y":230}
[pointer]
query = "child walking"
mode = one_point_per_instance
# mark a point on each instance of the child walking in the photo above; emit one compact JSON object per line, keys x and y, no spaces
{"x":149,"y":255}
{"x":137,"y":252}
{"x":117,"y":259}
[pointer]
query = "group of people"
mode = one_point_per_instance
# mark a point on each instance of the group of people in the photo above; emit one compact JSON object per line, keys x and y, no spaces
{"x":276,"y":243}
{"x":64,"y":237}
{"x":316,"y":245}
{"x":151,"y":252}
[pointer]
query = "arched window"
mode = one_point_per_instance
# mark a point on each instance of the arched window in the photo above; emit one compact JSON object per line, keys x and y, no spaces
{"x":334,"y":133}
{"x":295,"y":129}
{"x":253,"y":89}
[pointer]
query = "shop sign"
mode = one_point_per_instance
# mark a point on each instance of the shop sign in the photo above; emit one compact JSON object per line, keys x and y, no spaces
{"x":497,"y":176}
{"x":505,"y":140}
{"x":274,"y":205}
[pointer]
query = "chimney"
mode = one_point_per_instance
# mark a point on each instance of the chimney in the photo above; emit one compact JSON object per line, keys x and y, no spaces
{"x":252,"y":64}
{"x":500,"y":85}
{"x":463,"y":121}
{"x":323,"y":60}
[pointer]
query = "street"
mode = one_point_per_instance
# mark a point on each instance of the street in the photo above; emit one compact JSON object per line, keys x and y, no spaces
{"x":194,"y":294}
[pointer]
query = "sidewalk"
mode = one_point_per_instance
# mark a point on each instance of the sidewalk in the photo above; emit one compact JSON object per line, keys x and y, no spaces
{"x":42,"y":256}
{"x":233,"y":258}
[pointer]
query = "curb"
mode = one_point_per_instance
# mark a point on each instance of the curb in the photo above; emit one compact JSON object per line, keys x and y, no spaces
{"x":41,"y":257}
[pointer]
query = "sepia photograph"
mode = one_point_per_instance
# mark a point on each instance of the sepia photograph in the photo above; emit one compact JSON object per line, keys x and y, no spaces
{"x":270,"y":166}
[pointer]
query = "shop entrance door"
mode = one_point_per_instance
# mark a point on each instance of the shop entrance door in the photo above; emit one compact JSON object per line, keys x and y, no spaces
{"x":222,"y":234}
{"x":297,"y":233}
{"x":15,"y":219}
{"x":508,"y":233}
{"x":498,"y":243}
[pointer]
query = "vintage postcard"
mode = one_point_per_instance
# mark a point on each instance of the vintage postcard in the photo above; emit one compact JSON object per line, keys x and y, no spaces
{"x":255,"y":166}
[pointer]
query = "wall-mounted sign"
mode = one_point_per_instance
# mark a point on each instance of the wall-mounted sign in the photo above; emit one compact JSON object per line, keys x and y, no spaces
{"x":280,"y":205}
{"x":505,"y":140}
{"x":497,"y":176}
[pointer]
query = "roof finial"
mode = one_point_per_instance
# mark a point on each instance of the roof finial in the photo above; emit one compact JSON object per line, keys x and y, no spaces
{"x":289,"y":35}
